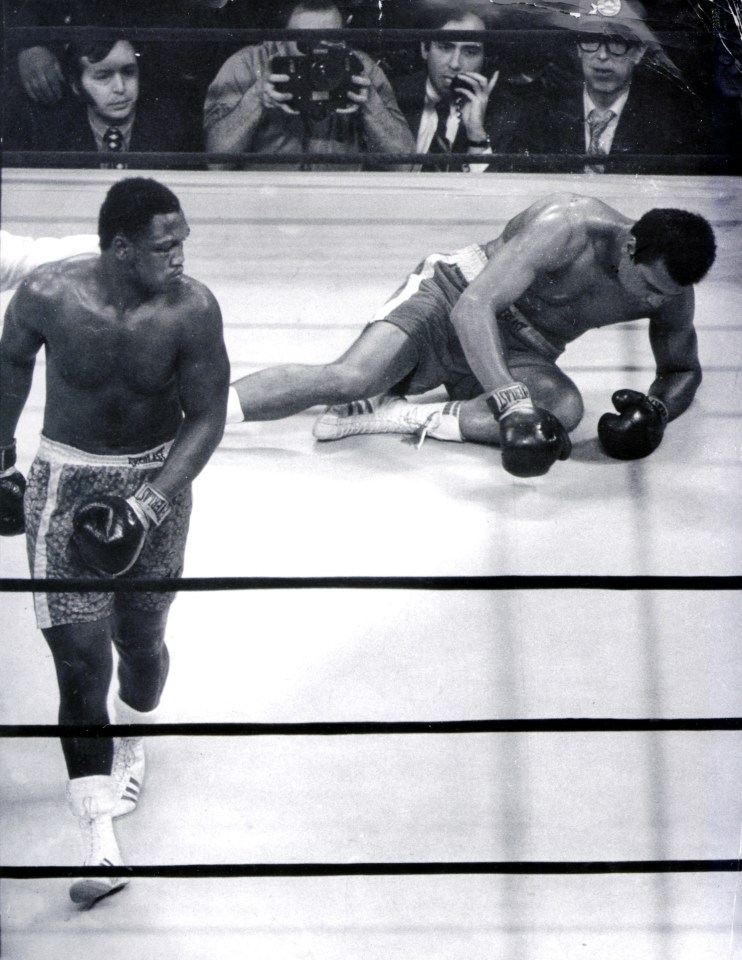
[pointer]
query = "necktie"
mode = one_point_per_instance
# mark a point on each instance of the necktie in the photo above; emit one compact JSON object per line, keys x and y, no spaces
{"x":113,"y":138}
{"x":597,"y":121}
{"x":113,"y":142}
{"x":440,"y":143}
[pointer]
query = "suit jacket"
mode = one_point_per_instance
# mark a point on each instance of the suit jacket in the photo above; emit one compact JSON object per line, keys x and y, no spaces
{"x":158,"y":125}
{"x":658,"y":122}
{"x":502,"y":118}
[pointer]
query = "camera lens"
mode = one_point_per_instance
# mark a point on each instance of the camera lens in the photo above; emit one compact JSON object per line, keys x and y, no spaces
{"x":327,"y":69}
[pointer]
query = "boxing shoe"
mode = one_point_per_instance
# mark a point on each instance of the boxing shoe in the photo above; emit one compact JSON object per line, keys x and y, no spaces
{"x":389,"y":414}
{"x":380,"y":414}
{"x":127,"y":773}
{"x":92,"y":800}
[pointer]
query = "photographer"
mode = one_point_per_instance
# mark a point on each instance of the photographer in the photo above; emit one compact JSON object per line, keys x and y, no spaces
{"x":251,"y":108}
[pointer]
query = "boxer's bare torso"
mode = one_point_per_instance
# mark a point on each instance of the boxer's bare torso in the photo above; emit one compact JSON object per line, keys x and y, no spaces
{"x":111,"y":371}
{"x":134,"y":352}
{"x":574,"y":245}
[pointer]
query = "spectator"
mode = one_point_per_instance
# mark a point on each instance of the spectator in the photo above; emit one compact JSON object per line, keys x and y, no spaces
{"x":40,"y":67}
{"x":36,"y":66}
{"x":247,"y":111}
{"x":476,"y":119}
{"x":105,"y":112}
{"x":618,"y":106}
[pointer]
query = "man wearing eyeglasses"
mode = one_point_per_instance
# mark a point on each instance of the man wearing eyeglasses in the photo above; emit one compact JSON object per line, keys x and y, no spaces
{"x":608,"y":63}
{"x":629,"y":101}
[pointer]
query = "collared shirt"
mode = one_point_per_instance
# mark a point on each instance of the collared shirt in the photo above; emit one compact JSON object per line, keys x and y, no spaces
{"x":429,"y":124}
{"x":606,"y":141}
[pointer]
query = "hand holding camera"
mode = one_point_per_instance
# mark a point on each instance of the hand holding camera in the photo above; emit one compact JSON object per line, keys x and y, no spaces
{"x":358,"y":94}
{"x":327,"y":79}
{"x":273,"y":95}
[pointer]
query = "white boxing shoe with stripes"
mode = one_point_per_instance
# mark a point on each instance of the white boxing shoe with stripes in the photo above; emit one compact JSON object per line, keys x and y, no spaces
{"x":127,"y":773}
{"x":381,"y":414}
{"x":92,"y":800}
{"x":101,"y":851}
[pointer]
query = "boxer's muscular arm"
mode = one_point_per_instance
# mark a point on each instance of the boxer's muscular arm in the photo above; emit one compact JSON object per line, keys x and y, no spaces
{"x":203,"y":381}
{"x":672,"y":337}
{"x":21,"y":341}
{"x":547,"y":243}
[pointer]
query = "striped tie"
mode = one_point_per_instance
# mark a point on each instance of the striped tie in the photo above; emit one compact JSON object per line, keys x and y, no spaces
{"x":597,"y":121}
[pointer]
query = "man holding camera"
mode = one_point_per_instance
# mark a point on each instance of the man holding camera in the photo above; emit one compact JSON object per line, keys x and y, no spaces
{"x":310,"y":101}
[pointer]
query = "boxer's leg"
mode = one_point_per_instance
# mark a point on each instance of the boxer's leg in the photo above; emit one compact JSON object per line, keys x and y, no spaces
{"x":457,"y":420}
{"x":84,"y":663}
{"x":83,"y":660}
{"x":380,"y":357}
{"x":144,"y":663}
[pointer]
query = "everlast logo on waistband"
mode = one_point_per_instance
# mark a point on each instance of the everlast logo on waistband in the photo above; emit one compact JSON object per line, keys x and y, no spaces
{"x":154,"y":456}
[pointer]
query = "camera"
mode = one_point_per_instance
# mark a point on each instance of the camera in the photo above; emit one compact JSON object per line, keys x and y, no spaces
{"x":320,"y":79}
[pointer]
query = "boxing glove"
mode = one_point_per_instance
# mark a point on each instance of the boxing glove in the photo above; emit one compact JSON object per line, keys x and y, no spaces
{"x":638,"y":427}
{"x":108,"y":532}
{"x":531,"y":439}
{"x":12,"y":489}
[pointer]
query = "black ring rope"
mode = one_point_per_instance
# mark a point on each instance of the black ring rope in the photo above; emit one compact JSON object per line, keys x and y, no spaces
{"x":538,"y":163}
{"x":376,"y":869}
{"x":444,"y":583}
{"x":376,"y":727}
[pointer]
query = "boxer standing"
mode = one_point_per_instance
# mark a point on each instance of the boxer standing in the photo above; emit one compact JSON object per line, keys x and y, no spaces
{"x":136,"y":387}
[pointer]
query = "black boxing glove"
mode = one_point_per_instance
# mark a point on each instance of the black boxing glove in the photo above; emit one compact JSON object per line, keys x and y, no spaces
{"x":638,"y":427}
{"x":12,"y":489}
{"x":109,"y":532}
{"x":532,"y":439}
